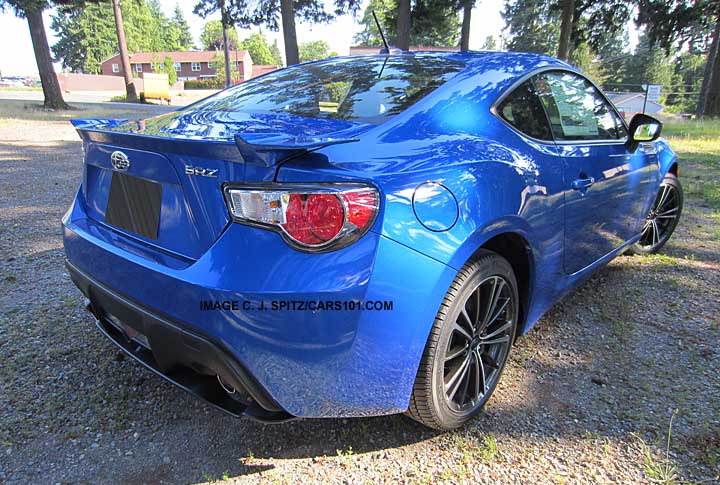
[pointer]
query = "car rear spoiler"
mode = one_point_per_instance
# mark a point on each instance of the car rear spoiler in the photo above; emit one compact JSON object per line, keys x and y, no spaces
{"x":259,"y":149}
{"x":271,"y":150}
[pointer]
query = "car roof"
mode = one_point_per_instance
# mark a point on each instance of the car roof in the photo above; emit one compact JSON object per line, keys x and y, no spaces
{"x":476,"y":59}
{"x":511,"y":64}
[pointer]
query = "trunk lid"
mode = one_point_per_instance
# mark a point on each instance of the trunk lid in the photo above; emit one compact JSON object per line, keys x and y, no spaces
{"x":159,"y":180}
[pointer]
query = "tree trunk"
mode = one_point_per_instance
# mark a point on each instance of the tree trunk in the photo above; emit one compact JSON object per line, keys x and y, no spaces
{"x":130,"y":91}
{"x":702,"y":103}
{"x":712,"y":107}
{"x":403,"y":25}
{"x":566,"y":29}
{"x":465,"y":31}
{"x":48,"y":79}
{"x":226,"y":44}
{"x":287,"y":11}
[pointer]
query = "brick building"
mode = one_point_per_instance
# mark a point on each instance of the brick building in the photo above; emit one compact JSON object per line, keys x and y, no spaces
{"x":188,"y":64}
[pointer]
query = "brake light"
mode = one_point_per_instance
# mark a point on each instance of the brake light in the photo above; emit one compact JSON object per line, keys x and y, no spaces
{"x":310,"y":217}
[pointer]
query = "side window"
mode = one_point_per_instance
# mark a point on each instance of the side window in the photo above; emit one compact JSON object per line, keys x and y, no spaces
{"x":576,"y":109}
{"x":523,"y":110}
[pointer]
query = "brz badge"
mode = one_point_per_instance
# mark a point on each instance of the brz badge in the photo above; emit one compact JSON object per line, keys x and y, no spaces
{"x":203,"y":172}
{"x":119,"y":161}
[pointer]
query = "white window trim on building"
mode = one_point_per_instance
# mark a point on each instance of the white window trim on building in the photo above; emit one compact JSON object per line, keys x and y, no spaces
{"x":178,"y":66}
{"x":138,"y":67}
{"x":115,"y":68}
{"x":195,"y":66}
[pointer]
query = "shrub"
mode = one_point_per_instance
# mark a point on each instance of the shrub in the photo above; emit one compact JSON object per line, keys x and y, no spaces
{"x":204,"y":84}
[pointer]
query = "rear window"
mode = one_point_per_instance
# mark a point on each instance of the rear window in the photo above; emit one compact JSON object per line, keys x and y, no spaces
{"x":368,"y":90}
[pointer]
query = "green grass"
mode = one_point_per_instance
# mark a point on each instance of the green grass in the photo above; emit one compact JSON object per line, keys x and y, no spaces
{"x":697,"y":143}
{"x":692,"y":128}
{"x":663,"y":471}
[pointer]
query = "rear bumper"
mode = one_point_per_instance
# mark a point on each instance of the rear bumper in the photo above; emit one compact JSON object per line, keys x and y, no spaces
{"x":306,"y":362}
{"x":186,"y":359}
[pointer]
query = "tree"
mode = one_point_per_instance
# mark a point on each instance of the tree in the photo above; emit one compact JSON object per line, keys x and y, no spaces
{"x":184,"y":36}
{"x":552,"y":26}
{"x":432,"y":23}
{"x":87,"y":36}
{"x":402,"y":39}
{"x":130,"y":91}
{"x":258,"y":48}
{"x":566,"y":25}
{"x":467,"y":6}
{"x":32,"y":11}
{"x":276,"y":55}
{"x":265,"y":12}
{"x":490,"y":44}
{"x":219,"y":64}
{"x":673,"y":24}
{"x":385,"y":11}
{"x":531,"y":26}
{"x":649,"y":65}
{"x":287,"y":12}
{"x":211,"y":37}
{"x":168,"y":68}
{"x":315,"y":50}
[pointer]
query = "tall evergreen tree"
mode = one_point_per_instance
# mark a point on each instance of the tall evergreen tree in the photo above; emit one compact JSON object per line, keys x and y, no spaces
{"x":185,"y":38}
{"x":86,"y":36}
{"x":432,"y":23}
{"x":32,"y":11}
{"x":531,"y":26}
{"x":266,"y":12}
{"x":671,"y":24}
{"x":276,"y":55}
{"x":130,"y":90}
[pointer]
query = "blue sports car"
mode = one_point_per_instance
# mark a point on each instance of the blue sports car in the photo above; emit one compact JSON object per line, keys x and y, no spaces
{"x":361,"y":235}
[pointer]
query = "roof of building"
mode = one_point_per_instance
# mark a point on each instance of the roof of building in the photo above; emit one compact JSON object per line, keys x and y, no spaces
{"x":179,"y":56}
{"x":260,"y":69}
{"x":622,"y":100}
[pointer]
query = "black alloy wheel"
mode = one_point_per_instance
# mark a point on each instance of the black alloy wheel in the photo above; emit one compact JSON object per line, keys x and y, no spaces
{"x":663,"y":217}
{"x":469,"y":344}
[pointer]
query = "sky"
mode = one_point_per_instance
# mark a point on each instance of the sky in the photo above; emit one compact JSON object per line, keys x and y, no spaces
{"x":17,"y":57}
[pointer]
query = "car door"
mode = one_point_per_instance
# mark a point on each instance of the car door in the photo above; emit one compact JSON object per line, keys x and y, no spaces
{"x":606,"y":186}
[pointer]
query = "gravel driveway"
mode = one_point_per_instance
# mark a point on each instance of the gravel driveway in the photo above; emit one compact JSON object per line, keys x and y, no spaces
{"x":587,"y":397}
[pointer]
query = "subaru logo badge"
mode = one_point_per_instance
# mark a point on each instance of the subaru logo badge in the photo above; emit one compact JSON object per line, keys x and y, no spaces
{"x":120,"y":161}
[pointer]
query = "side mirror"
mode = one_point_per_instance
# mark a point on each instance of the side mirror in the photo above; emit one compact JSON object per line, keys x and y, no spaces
{"x":642,"y":128}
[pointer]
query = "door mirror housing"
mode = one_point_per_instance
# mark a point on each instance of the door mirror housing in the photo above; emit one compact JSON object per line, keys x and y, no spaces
{"x":643,"y":128}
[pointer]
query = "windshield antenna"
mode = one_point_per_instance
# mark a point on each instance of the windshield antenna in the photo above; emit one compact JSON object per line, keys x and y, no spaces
{"x":386,"y":49}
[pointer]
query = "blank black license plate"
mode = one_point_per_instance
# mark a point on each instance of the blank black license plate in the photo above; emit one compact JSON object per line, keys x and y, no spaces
{"x":134,"y":205}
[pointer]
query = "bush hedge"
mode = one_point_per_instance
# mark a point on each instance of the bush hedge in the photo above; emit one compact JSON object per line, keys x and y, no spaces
{"x":204,"y":84}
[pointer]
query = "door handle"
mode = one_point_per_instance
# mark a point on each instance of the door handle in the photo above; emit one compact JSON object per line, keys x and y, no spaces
{"x":580,"y":184}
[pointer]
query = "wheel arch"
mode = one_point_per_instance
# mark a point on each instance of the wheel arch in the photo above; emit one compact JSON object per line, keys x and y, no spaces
{"x":511,"y":239}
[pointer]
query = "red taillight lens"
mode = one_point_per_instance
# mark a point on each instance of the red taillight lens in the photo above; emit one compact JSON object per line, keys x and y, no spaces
{"x":361,"y":206}
{"x":314,"y":217}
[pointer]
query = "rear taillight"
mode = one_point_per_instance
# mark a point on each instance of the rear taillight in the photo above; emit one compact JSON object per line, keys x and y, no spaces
{"x":316,"y":217}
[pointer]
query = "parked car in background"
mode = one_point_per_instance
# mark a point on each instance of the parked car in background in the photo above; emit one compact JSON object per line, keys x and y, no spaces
{"x":12,"y":82}
{"x":362,"y":235}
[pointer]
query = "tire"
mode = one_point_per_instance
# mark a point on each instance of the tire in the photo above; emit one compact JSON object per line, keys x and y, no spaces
{"x":662,"y":219}
{"x":436,"y":400}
